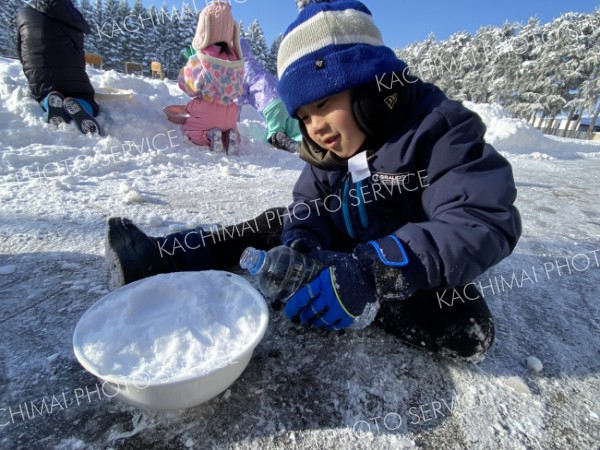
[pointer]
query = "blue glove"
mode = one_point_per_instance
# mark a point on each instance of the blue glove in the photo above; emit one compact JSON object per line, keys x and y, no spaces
{"x":342,"y":292}
{"x":337,"y":297}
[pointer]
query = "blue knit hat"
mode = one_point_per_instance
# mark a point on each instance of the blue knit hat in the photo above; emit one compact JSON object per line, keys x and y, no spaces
{"x":329,"y":48}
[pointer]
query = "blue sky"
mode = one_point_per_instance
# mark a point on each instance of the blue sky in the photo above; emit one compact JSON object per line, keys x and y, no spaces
{"x":402,"y":22}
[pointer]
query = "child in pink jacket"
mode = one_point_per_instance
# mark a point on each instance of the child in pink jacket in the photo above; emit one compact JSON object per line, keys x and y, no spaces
{"x":213,"y":76}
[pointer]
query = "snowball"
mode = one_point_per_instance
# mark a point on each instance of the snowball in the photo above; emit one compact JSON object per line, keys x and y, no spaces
{"x":133,"y":196}
{"x":154,"y":220}
{"x":534,"y":364}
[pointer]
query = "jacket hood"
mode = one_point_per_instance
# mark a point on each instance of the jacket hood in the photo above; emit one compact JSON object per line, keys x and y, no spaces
{"x":62,"y":11}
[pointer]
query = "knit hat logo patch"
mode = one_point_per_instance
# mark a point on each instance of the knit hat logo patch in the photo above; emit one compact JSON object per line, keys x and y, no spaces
{"x":391,"y":100}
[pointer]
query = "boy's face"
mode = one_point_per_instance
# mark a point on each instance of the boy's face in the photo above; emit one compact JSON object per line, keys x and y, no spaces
{"x":331,"y":125}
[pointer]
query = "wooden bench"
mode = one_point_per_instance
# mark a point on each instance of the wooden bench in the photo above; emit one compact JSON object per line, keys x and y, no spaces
{"x":156,"y":69}
{"x":94,"y":60}
{"x":133,"y":67}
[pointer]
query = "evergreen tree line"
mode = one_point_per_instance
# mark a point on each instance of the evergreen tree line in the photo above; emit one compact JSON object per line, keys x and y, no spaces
{"x":121,"y":33}
{"x":536,"y":71}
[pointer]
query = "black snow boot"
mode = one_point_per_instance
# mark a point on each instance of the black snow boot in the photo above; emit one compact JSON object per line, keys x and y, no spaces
{"x":284,"y":142}
{"x":84,"y":121}
{"x":132,"y":255}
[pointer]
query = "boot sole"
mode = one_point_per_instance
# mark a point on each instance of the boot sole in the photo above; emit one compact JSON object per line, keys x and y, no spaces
{"x":56,"y":112}
{"x":84,"y":121}
{"x":115,"y":269}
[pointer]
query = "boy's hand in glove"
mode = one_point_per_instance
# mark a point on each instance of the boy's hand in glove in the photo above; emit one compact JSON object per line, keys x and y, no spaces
{"x":336,"y":297}
{"x":340,"y":294}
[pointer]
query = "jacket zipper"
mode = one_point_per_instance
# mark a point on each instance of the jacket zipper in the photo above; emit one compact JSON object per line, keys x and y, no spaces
{"x":346,"y":210}
{"x":362,"y":210}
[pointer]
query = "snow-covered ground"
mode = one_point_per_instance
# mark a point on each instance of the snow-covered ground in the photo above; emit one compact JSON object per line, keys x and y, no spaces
{"x":302,"y":389}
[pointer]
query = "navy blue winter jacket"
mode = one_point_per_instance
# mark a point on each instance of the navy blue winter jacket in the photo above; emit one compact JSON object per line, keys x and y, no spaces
{"x":435,"y":184}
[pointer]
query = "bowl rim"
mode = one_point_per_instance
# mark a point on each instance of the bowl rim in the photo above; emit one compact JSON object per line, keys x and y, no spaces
{"x":108,"y":91}
{"x":168,"y":111}
{"x":249,"y":346}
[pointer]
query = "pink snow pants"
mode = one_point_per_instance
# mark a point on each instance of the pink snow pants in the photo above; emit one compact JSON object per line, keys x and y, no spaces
{"x":207,"y":115}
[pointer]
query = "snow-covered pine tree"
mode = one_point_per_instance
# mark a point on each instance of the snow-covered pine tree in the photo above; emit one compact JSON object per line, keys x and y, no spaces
{"x":112,"y":36}
{"x":272,"y":62}
{"x":158,"y":46}
{"x":591,"y":87}
{"x":256,"y":40}
{"x":123,"y":34}
{"x":137,"y":34}
{"x":86,"y":9}
{"x":98,"y":36}
{"x":174,"y":37}
{"x":8,"y":27}
{"x":501,"y":74}
{"x":188,"y":24}
{"x":423,"y":58}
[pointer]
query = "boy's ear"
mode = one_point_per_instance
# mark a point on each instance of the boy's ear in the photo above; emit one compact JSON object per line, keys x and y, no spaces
{"x":382,"y":105}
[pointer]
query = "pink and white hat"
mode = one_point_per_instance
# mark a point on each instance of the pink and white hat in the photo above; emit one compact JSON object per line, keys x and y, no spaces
{"x":216,"y":24}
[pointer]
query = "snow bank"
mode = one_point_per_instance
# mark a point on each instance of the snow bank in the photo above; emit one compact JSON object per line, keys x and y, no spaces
{"x":516,"y":137}
{"x":141,"y":155}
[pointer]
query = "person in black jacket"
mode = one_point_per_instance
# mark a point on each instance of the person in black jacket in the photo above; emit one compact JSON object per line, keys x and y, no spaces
{"x":50,"y":47}
{"x":401,"y":197}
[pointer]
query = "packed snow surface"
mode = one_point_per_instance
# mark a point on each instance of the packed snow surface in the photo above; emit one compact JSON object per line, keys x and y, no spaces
{"x":302,"y":389}
{"x":171,"y":326}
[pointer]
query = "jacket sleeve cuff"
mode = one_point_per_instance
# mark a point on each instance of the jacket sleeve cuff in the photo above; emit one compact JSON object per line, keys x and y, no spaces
{"x":390,"y":251}
{"x":292,"y":235}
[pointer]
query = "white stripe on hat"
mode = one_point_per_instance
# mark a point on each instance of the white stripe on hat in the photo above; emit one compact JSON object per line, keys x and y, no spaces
{"x":349,"y":26}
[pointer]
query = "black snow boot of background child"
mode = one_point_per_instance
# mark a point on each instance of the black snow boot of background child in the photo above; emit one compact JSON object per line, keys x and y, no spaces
{"x":84,"y":121}
{"x":132,"y":255}
{"x":55,"y":112}
{"x":282,"y":141}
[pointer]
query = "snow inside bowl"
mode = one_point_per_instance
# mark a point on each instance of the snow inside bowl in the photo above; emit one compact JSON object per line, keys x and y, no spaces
{"x":172,"y":341}
{"x":176,"y":113}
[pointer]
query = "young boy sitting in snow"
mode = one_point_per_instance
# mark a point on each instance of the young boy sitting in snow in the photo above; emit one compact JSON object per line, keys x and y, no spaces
{"x":401,"y":198}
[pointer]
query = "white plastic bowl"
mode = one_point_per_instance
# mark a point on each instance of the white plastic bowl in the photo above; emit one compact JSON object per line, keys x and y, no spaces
{"x":136,"y":302}
{"x":109,"y":93}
